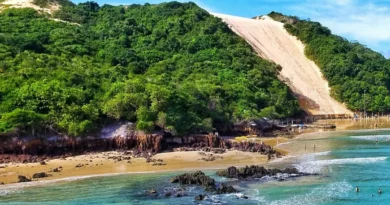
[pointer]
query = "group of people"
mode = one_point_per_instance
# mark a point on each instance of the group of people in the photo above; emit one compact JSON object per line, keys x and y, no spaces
{"x":358,"y":190}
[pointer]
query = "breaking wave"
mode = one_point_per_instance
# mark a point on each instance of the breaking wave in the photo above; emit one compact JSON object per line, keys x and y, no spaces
{"x":317,"y":195}
{"x":372,"y":137}
{"x":314,"y":167}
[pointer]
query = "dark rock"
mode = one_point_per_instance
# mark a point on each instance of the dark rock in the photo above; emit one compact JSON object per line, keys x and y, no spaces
{"x":40,"y":175}
{"x":225,"y":189}
{"x":22,"y":178}
{"x":200,"y":179}
{"x":56,"y":170}
{"x":1,"y":183}
{"x":168,"y":194}
{"x":255,"y":172}
{"x":79,"y":165}
{"x":200,"y":197}
{"x":42,"y":163}
{"x":197,"y":178}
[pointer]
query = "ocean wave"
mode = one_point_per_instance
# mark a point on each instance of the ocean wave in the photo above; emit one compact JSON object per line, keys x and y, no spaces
{"x":372,"y":137}
{"x":314,"y":167}
{"x":312,"y":156}
{"x":304,"y":157}
{"x":316,"y":196}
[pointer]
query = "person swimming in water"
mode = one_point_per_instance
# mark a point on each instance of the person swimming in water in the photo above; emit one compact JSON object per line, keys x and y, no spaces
{"x":357,"y":189}
{"x":379,"y":191}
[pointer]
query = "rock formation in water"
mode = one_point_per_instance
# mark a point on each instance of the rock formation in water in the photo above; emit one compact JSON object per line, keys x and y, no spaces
{"x":256,"y":172}
{"x":200,"y":179}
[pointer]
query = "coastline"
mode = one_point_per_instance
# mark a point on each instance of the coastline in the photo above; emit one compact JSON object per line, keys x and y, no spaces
{"x":100,"y":164}
{"x":114,"y":162}
{"x":105,"y":163}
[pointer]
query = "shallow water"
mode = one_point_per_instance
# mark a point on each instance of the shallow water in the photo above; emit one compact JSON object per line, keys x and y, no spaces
{"x":354,"y":159}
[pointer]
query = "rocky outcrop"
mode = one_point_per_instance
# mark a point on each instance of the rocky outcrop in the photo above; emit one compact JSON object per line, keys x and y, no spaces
{"x":256,"y":172}
{"x":200,"y":179}
{"x":212,"y":143}
{"x":197,"y":178}
{"x":225,"y":189}
{"x":40,"y":175}
{"x":65,"y":145}
{"x":38,"y":150}
{"x":200,"y":197}
{"x":252,"y":147}
{"x":22,"y":178}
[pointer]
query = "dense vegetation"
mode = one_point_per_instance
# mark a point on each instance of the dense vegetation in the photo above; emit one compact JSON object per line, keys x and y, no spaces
{"x":350,"y":67}
{"x":170,"y":65}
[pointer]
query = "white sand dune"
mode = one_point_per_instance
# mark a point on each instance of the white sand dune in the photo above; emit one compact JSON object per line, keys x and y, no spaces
{"x":272,"y":42}
{"x":29,"y":4}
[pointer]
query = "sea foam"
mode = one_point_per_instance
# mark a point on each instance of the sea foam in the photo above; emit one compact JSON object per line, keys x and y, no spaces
{"x":372,"y":137}
{"x":317,"y":195}
{"x":316,"y":166}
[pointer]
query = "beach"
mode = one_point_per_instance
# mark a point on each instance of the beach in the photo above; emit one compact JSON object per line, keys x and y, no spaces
{"x":340,"y":161}
{"x":99,"y":164}
{"x":115,"y":162}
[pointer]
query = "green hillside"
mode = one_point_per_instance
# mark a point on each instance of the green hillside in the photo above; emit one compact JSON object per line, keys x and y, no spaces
{"x":350,"y":67}
{"x":172,"y":65}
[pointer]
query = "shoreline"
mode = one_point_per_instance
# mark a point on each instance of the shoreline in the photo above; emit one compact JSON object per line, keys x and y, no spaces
{"x":99,"y":164}
{"x":114,"y":162}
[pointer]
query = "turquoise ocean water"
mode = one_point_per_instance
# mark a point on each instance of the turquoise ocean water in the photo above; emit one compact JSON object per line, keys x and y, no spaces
{"x":355,"y":159}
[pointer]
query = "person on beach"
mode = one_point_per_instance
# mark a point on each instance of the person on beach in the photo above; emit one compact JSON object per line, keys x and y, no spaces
{"x":379,"y":191}
{"x":314,"y":147}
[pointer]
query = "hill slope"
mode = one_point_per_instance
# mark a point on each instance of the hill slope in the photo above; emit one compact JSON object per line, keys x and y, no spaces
{"x":273,"y":42}
{"x":172,"y":65}
{"x":358,"y":76}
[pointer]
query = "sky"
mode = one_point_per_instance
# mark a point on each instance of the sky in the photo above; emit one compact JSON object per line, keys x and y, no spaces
{"x":365,"y":21}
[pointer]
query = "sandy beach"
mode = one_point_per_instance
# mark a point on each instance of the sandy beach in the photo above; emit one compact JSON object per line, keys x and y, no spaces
{"x":109,"y":163}
{"x":104,"y":163}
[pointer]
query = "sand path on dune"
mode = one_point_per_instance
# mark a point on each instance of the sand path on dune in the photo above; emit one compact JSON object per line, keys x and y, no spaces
{"x":272,"y":42}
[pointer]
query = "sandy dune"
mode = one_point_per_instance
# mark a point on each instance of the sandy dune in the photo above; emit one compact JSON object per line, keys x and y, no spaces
{"x":29,"y":4}
{"x":273,"y":42}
